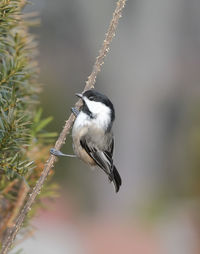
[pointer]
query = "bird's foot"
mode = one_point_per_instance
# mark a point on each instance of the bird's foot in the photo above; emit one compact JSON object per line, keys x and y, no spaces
{"x":56,"y":152}
{"x":75,"y":111}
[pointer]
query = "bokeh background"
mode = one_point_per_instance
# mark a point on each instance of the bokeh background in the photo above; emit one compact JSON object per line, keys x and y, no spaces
{"x":152,"y":75}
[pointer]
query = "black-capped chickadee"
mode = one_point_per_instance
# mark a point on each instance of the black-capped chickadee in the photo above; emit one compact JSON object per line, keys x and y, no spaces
{"x":93,"y":140}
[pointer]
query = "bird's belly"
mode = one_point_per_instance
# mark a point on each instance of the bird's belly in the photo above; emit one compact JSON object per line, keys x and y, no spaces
{"x":84,"y":156}
{"x":77,"y":134}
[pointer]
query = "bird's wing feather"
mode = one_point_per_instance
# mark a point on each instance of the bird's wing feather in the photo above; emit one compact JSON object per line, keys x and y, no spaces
{"x":112,"y":147}
{"x":102,"y":158}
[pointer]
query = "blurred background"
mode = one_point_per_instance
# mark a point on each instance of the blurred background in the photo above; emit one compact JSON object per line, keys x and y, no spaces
{"x":152,"y":75}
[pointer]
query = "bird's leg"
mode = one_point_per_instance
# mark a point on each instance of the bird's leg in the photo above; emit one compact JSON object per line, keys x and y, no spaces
{"x":75,"y":111}
{"x":59,"y":153}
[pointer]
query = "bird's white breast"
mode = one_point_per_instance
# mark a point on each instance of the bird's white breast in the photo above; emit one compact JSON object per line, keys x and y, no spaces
{"x":81,"y":121}
{"x":101,"y":117}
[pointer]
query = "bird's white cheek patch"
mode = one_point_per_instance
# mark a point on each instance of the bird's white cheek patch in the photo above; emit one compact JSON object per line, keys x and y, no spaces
{"x":97,"y":107}
{"x":100,"y":111}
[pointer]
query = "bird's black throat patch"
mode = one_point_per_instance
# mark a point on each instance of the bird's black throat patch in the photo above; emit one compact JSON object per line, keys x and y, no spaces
{"x":86,"y":110}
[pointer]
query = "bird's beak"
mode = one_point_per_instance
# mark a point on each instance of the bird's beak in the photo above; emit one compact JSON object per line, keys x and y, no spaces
{"x":79,"y":95}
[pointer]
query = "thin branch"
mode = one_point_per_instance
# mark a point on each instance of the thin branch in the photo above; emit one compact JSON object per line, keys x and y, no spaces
{"x":19,"y":203}
{"x":9,"y":187}
{"x":10,"y":220}
{"x":61,"y":140}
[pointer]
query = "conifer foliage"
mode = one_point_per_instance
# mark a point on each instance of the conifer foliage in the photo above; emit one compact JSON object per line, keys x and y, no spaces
{"x":23,"y":141}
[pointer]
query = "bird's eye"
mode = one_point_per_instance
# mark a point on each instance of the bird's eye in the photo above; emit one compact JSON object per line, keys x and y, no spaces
{"x":91,"y":98}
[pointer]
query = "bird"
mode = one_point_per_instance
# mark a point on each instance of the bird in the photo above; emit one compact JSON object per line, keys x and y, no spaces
{"x":92,"y":135}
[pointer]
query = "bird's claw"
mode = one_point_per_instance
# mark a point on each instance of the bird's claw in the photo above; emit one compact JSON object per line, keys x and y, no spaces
{"x":75,"y":111}
{"x":55,"y":152}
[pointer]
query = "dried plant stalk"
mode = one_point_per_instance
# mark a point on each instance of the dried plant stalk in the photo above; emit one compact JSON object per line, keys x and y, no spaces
{"x":61,"y":140}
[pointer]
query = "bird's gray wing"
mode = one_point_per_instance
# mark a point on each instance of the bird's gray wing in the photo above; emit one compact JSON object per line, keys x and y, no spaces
{"x":109,"y":151}
{"x":102,"y":158}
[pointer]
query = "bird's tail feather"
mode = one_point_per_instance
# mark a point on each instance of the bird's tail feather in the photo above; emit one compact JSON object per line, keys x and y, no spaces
{"x":116,"y":178}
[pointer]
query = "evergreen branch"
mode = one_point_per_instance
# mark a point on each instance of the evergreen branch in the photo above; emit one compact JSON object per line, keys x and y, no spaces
{"x":61,"y":140}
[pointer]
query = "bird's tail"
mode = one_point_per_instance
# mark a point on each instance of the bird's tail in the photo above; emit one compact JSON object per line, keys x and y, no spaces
{"x":116,"y":178}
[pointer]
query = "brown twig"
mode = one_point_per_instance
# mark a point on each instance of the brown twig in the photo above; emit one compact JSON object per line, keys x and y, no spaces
{"x":10,"y":219}
{"x":19,"y":203}
{"x":22,"y":192}
{"x":61,"y":140}
{"x":9,"y":187}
